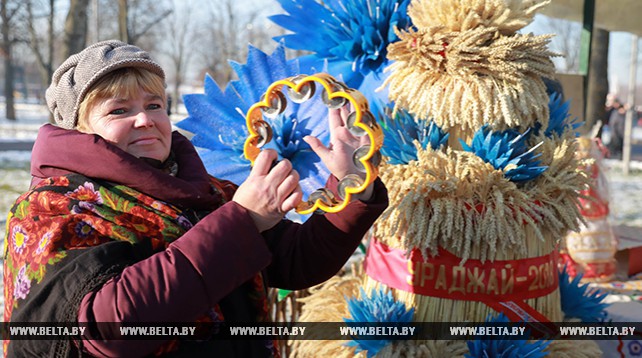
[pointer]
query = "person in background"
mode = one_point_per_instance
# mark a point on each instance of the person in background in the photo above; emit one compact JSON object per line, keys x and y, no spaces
{"x":617,"y":120}
{"x":123,"y":224}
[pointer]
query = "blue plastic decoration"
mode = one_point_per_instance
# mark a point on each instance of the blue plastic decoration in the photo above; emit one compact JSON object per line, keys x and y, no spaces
{"x":351,"y":36}
{"x":217,"y":120}
{"x":507,"y":151}
{"x":559,"y":118}
{"x":505,"y":348}
{"x":380,"y":307}
{"x":580,"y":302}
{"x":400,"y":133}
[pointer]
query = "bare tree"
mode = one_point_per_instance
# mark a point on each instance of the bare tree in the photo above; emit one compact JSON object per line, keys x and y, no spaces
{"x":44,"y":53}
{"x":229,"y":30}
{"x":147,"y":14}
{"x":75,"y":27}
{"x":104,"y":20}
{"x":180,"y":36}
{"x":567,"y":42}
{"x":9,"y":13}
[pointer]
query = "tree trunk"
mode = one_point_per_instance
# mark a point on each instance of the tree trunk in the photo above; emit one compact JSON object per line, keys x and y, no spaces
{"x":43,"y":53}
{"x":50,"y":57}
{"x":10,"y":110}
{"x":598,"y":86}
{"x":123,"y":33}
{"x":75,"y":27}
{"x":50,"y":40}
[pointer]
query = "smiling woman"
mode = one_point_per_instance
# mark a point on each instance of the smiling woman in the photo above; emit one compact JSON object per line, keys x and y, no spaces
{"x":123,"y":224}
{"x":127,"y":109}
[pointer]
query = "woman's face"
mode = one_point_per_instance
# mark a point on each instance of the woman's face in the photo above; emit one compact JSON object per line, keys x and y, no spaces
{"x":139,"y":125}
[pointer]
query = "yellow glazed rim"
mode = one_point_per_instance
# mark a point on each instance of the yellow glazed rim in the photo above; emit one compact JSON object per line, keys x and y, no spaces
{"x":359,"y":103}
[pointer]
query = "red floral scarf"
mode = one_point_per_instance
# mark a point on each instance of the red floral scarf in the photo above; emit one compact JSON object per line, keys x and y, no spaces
{"x":61,"y":217}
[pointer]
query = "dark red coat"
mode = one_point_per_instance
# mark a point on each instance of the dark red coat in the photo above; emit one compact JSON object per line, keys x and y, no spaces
{"x":212,"y":260}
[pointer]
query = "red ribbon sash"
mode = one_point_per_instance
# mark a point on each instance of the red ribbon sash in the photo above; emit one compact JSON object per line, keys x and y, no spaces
{"x":502,"y":284}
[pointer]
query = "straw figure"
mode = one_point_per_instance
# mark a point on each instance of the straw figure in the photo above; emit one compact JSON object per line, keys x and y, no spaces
{"x":483,"y":183}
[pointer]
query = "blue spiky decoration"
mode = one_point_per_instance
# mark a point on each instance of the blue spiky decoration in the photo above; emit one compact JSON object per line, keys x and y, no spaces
{"x":380,"y":307}
{"x":505,"y":348}
{"x":580,"y":302}
{"x":400,"y":133}
{"x":218,"y":121}
{"x":507,"y":151}
{"x":350,"y":35}
{"x":560,"y":120}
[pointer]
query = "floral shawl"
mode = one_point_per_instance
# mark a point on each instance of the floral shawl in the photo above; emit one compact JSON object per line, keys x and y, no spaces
{"x":69,"y":235}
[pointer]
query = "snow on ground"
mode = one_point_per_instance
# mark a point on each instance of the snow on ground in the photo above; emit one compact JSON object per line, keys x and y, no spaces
{"x":625,"y":191}
{"x":625,"y":194}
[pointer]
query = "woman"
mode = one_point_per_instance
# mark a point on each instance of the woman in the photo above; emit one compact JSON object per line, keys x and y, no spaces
{"x":123,"y":224}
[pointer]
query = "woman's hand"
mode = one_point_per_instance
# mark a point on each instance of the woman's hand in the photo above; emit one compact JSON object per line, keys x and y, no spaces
{"x":337,"y":157}
{"x":267,"y":193}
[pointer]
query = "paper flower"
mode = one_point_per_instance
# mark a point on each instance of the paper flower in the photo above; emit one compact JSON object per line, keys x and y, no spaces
{"x":380,"y":307}
{"x":507,"y":151}
{"x":580,"y":302}
{"x":505,"y":348}
{"x":560,"y":120}
{"x":350,"y":35}
{"x":217,"y":120}
{"x":401,"y":132}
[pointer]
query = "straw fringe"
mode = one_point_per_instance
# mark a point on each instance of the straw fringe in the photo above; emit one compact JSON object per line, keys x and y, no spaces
{"x":427,"y":349}
{"x":574,"y":349}
{"x":508,"y":16}
{"x":454,"y":200}
{"x":327,"y":303}
{"x":467,"y":67}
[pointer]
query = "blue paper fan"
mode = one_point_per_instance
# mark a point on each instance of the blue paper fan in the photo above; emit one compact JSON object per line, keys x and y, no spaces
{"x":578,"y":301}
{"x":560,"y":120}
{"x":505,"y":348}
{"x":400,"y":133}
{"x":508,"y":151}
{"x":379,"y":307}
{"x":217,"y":120}
{"x":350,"y":36}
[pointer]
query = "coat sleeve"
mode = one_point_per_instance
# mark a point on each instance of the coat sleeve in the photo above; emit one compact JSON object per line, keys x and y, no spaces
{"x":307,"y":254}
{"x":209,"y":261}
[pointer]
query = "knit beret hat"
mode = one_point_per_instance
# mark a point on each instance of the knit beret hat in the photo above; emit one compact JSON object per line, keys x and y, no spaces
{"x":74,"y":78}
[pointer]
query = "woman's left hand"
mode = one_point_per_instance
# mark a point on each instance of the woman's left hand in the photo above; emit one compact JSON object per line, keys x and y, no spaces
{"x":337,"y":156}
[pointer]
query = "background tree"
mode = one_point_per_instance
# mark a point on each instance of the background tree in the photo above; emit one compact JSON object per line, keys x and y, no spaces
{"x":229,"y":28}
{"x":41,"y":44}
{"x":137,"y":18}
{"x":566,"y":42}
{"x":180,"y":37}
{"x":10,"y":17}
{"x":75,"y":37}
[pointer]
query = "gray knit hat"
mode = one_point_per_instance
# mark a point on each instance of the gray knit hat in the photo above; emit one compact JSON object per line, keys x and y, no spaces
{"x":73,"y":79}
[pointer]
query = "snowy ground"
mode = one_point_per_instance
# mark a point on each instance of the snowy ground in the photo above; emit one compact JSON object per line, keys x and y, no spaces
{"x":626,"y":191}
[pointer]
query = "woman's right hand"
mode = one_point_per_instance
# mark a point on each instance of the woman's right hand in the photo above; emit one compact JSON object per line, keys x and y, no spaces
{"x":268,"y":194}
